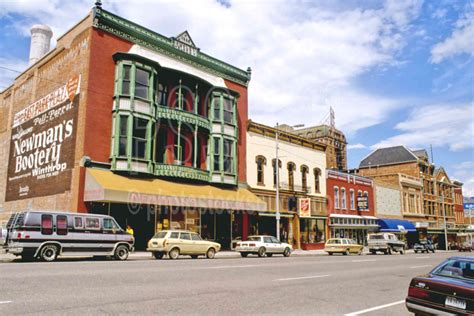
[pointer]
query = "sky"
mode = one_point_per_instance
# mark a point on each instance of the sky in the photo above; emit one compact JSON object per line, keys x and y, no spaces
{"x":396,"y":72}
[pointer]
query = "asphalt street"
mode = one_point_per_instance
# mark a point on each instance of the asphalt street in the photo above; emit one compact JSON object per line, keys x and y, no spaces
{"x":326,"y":285}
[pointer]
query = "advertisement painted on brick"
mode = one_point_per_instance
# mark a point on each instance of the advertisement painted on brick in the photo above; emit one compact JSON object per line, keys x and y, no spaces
{"x":43,"y":144}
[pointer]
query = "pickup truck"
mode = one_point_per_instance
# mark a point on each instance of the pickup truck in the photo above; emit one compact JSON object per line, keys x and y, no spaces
{"x":386,"y":243}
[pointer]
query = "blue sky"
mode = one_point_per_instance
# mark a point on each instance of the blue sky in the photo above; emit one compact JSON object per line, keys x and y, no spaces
{"x":396,"y":72}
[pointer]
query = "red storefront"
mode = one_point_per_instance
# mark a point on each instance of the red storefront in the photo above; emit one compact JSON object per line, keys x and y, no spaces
{"x":351,"y":207}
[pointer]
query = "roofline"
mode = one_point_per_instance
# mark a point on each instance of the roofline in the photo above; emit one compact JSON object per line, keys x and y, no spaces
{"x":257,"y":127}
{"x":393,"y":163}
{"x":387,"y":164}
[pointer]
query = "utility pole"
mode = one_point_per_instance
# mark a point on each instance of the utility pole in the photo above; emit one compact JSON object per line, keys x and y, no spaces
{"x":277,"y":184}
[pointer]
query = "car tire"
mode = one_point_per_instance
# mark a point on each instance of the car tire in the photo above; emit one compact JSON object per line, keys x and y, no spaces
{"x":389,"y":251}
{"x":330,"y":253}
{"x":158,"y":255}
{"x":373,"y":252}
{"x":194,"y":256}
{"x":360,"y":252}
{"x":173,"y":253}
{"x":49,"y":253}
{"x":261,"y":252}
{"x":287,"y":252}
{"x":347,"y":252}
{"x":244,"y":254}
{"x":211,"y":253}
{"x":121,"y":253}
{"x":416,"y":251}
{"x":402,"y":251}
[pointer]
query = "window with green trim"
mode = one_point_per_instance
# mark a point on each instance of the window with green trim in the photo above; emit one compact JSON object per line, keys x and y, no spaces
{"x":126,"y":79}
{"x":217,"y":154}
{"x":142,"y":83}
{"x":228,"y":110}
{"x":139,"y":137}
{"x":217,"y":108}
{"x":162,"y":94}
{"x":228,"y":156}
{"x":123,"y":127}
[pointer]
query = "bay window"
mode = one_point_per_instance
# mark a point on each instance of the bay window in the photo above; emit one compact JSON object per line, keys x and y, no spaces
{"x":228,"y":156}
{"x":123,"y":132}
{"x":217,"y":154}
{"x":139,"y":137}
{"x":142,"y":83}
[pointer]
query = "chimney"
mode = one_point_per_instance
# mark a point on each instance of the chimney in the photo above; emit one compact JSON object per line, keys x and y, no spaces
{"x":40,"y":42}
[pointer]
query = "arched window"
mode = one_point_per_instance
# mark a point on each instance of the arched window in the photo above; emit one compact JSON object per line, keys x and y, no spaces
{"x":336,"y":197}
{"x":304,"y":178}
{"x":343,"y":198}
{"x":291,"y":175}
{"x":317,"y":175}
{"x":359,"y":193}
{"x":352,"y":200}
{"x":261,"y":162}
{"x":275,"y":171}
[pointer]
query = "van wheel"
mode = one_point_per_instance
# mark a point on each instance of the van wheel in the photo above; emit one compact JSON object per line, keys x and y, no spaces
{"x":158,"y":255}
{"x":49,"y":253}
{"x":402,"y":251}
{"x":121,"y":253}
{"x":211,"y":253}
{"x":174,"y":253}
{"x":389,"y":251}
{"x":261,"y":252}
{"x":287,"y":252}
{"x":244,"y":254}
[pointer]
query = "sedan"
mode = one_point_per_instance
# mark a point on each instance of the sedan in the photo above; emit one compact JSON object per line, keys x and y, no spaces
{"x":447,"y":290}
{"x":263,"y":245}
{"x":343,"y":245}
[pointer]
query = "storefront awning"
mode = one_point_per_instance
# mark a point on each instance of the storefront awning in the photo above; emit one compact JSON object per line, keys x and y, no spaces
{"x":396,"y":226}
{"x":106,"y":186}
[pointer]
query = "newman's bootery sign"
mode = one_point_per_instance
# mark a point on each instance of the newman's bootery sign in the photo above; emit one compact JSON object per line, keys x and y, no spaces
{"x":42,"y":144}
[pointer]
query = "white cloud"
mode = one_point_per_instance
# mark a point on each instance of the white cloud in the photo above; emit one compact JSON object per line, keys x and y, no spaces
{"x":305,"y":56}
{"x":449,"y":125}
{"x":356,"y":146}
{"x":461,"y":41}
{"x":11,"y":68}
{"x":464,"y":172}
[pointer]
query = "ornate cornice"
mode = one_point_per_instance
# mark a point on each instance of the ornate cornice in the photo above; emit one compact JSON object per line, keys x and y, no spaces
{"x":140,"y":35}
{"x":182,"y":116}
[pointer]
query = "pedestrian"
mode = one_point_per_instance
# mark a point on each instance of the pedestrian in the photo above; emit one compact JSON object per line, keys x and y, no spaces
{"x":130,"y":230}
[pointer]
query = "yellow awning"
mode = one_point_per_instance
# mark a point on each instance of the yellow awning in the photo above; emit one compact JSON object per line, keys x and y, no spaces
{"x":106,"y":186}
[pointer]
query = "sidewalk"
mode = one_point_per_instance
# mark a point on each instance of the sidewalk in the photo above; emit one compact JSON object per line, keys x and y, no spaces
{"x":143,"y":255}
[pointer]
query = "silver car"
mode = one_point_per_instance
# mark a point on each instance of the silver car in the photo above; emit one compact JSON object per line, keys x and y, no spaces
{"x":263,"y":245}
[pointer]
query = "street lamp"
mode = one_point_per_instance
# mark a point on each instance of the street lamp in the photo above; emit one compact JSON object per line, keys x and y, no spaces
{"x":277,"y":180}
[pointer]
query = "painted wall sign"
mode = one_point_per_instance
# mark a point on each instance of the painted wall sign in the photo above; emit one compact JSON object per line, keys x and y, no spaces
{"x":362,"y":203}
{"x":42,"y":145}
{"x":304,"y":208}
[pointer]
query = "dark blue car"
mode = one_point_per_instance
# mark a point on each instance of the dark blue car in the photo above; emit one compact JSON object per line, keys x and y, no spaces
{"x":447,"y":290}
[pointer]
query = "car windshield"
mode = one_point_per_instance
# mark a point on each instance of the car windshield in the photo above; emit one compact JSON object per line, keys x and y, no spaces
{"x":456,"y":268}
{"x":160,"y":235}
{"x":253,"y":238}
{"x":334,"y":241}
{"x":376,"y":237}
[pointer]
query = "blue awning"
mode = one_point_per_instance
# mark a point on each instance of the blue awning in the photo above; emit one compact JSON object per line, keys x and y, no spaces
{"x":396,"y":226}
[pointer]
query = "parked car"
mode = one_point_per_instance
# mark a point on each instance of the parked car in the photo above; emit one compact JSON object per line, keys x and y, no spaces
{"x":447,"y":290}
{"x":342,"y":245}
{"x":181,"y":242}
{"x":424,"y":246}
{"x":465,"y":246}
{"x":263,"y":245}
{"x":47,"y":235}
{"x":386,"y":243}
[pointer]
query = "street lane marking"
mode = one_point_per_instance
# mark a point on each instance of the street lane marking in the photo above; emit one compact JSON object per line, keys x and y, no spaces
{"x":424,"y":266}
{"x":375,"y":308}
{"x":231,"y":267}
{"x":422,"y":257}
{"x":5,"y":302}
{"x":306,"y":277}
{"x":364,"y":260}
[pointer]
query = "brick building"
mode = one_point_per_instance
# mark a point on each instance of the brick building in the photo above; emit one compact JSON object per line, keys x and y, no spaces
{"x":351,"y":206}
{"x":427,"y":191}
{"x":119,"y":119}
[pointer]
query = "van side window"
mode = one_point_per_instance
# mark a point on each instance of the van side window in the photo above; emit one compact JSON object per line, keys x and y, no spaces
{"x":92,"y":223}
{"x":109,"y":224}
{"x":78,"y":223}
{"x":46,"y":224}
{"x":174,"y":235}
{"x":61,"y":225}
